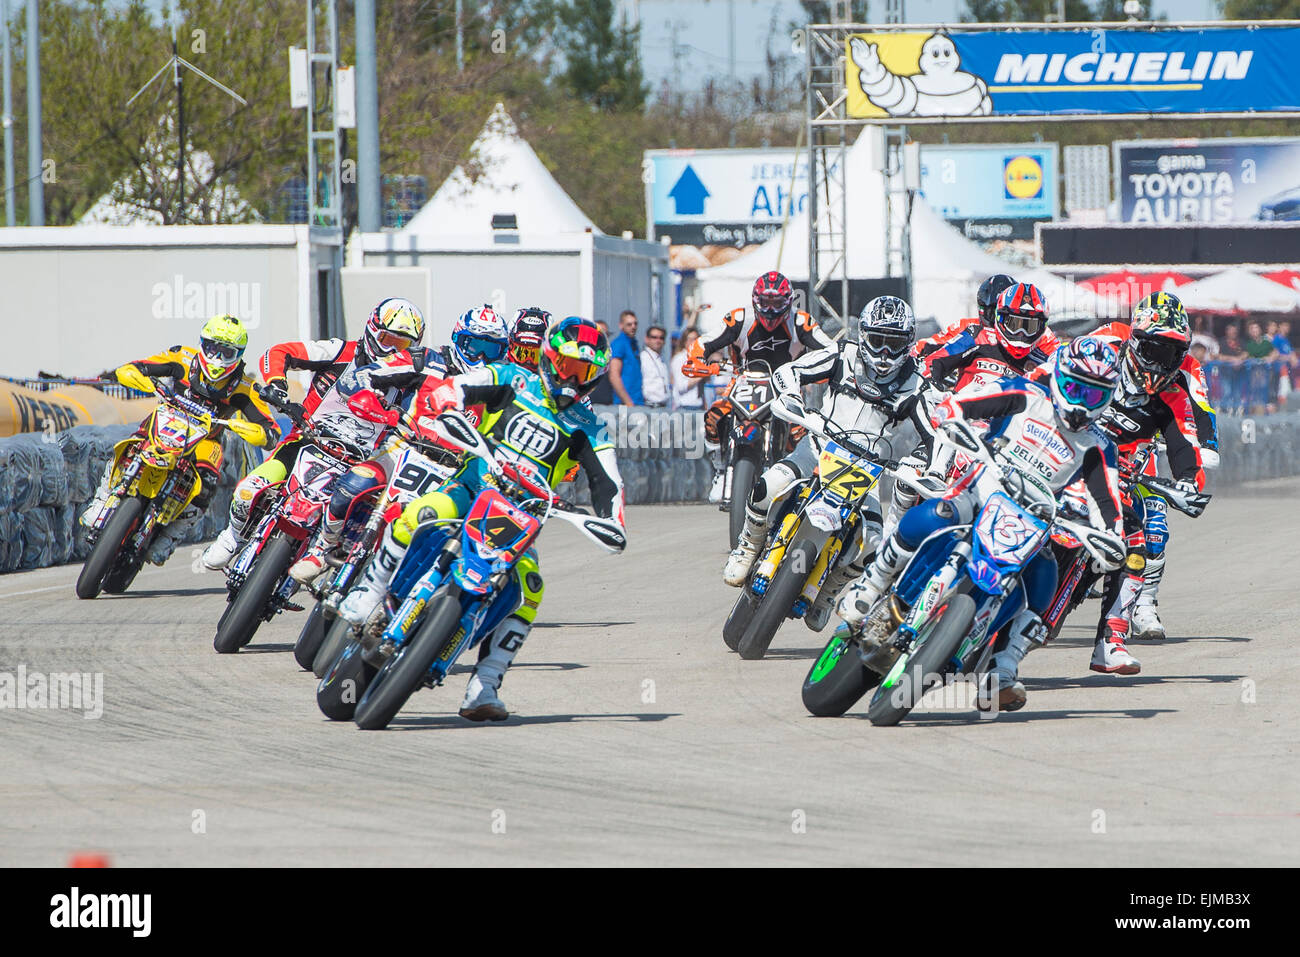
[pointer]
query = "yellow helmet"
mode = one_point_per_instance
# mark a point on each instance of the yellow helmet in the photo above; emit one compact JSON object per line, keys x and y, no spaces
{"x":394,"y":325}
{"x":222,"y":342}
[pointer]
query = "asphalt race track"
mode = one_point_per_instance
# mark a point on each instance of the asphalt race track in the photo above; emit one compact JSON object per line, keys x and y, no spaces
{"x":639,"y":739}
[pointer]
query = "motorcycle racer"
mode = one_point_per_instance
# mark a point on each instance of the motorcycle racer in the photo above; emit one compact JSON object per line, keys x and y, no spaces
{"x":393,"y":330}
{"x":873,"y":386}
{"x":986,"y":301}
{"x":777,"y":334}
{"x":1051,"y":433}
{"x":526,"y":337}
{"x":980,"y":356}
{"x":539,"y":420}
{"x":213,"y":373}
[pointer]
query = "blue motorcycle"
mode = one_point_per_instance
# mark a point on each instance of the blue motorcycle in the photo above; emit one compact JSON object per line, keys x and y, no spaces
{"x":455,"y":584}
{"x":958,"y":590}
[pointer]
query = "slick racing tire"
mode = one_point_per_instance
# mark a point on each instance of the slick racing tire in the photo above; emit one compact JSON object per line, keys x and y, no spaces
{"x":837,"y":680}
{"x":246,"y":612}
{"x":403,"y":673}
{"x":742,"y":613}
{"x":125,"y":520}
{"x":337,"y":635}
{"x":775,"y":605}
{"x":344,"y":684}
{"x":939,"y":642}
{"x":311,"y":637}
{"x":743,"y":475}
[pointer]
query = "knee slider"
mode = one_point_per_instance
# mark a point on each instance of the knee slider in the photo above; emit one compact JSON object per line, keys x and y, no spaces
{"x":770,"y":484}
{"x":1135,"y":562}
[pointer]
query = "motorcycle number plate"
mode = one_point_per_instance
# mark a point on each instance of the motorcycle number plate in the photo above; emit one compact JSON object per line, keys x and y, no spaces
{"x":313,"y":473}
{"x":843,"y":476}
{"x":1006,"y":532}
{"x":415,"y":475}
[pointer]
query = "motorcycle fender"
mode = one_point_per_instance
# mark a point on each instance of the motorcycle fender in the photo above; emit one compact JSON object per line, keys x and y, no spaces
{"x":150,"y":480}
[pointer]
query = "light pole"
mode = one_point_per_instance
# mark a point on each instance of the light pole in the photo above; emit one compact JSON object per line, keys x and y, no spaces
{"x":35,"y":161}
{"x":8,"y":118}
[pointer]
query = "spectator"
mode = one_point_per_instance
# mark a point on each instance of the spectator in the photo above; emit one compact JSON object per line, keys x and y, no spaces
{"x":655,"y":384}
{"x":1231,"y":349}
{"x":625,"y":366}
{"x":1280,"y":333}
{"x":603,"y":394}
{"x":1257,"y":345}
{"x":1203,"y":337}
{"x":688,"y":392}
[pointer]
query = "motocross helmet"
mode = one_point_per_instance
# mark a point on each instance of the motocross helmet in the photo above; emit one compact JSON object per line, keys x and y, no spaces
{"x":1020,"y":319}
{"x":393,"y":325}
{"x":987,"y":297}
{"x":526,"y":336}
{"x":1157,"y":345}
{"x":574,"y":355}
{"x":1085,"y":373}
{"x":886,"y":331}
{"x":773,"y":299}
{"x":479,"y":337}
{"x":222,"y":342}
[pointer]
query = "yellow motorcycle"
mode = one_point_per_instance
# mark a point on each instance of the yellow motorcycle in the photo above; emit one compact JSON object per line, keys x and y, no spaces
{"x":154,"y":480}
{"x":817,"y":526}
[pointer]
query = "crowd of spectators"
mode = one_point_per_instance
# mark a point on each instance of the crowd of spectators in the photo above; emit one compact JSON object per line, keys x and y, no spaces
{"x":1252,"y":365}
{"x":648,"y":372}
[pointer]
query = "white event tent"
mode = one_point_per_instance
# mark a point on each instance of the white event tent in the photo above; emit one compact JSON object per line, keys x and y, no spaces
{"x":947,"y":268}
{"x":1238,"y":290}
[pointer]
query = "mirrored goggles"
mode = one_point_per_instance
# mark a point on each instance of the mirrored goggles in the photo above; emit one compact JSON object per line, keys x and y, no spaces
{"x":393,"y":340}
{"x":1080,"y":392}
{"x":574,"y":369}
{"x":480,"y":347}
{"x":222,"y":352}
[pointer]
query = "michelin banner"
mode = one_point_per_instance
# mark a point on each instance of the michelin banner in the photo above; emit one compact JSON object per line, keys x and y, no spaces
{"x":1209,"y":181}
{"x":1072,"y":72}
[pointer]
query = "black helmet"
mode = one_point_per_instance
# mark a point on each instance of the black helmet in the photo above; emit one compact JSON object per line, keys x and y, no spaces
{"x":987,"y":297}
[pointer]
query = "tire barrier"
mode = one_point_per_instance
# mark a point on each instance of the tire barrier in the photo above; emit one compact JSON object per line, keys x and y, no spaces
{"x":1252,"y":448}
{"x":46,"y":480}
{"x":661,"y":455}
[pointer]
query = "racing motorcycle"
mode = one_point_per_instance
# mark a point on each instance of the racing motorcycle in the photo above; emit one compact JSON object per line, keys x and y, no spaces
{"x":286,"y":523}
{"x":754,"y":439}
{"x":421,"y":466}
{"x":454,"y":586}
{"x":818,"y":527}
{"x":154,"y":482}
{"x":958,"y":590}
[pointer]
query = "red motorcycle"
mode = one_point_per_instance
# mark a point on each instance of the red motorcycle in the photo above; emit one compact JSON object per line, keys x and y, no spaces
{"x":286,"y":523}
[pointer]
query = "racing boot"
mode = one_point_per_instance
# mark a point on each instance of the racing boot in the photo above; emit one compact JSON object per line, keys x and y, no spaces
{"x":719,"y":483}
{"x":218,"y":555}
{"x":95,"y":509}
{"x":1119,"y":596}
{"x":741,"y":559}
{"x":481,"y":702}
{"x":820,"y":612}
{"x":1147,"y":625}
{"x":168,"y":538}
{"x":1025,"y":633}
{"x":370,"y":591}
{"x":1112,"y":658}
{"x":862,"y":595}
{"x":308,"y":568}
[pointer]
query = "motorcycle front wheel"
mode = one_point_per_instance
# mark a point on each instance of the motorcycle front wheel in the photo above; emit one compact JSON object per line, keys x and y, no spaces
{"x":403,"y":673}
{"x":779,"y":598}
{"x":244,"y":616}
{"x":743,"y":475}
{"x":927,"y":664}
{"x":99,"y":564}
{"x":837,"y":680}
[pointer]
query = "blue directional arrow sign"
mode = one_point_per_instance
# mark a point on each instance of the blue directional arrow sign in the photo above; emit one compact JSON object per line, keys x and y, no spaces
{"x":688,"y":193}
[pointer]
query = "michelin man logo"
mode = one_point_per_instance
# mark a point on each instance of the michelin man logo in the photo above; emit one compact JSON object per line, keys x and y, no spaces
{"x":940,"y":88}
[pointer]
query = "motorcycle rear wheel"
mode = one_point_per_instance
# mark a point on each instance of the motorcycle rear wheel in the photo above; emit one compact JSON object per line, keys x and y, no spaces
{"x":344,"y":683}
{"x":108,"y":547}
{"x":337,"y":635}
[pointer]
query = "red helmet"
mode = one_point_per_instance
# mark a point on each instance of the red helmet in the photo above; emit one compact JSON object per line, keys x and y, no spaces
{"x":1020,"y":320}
{"x":773,"y":298}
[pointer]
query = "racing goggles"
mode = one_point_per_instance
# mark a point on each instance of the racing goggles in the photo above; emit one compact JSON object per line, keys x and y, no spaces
{"x":771,"y":305}
{"x":1031,"y":327}
{"x":223,"y":352}
{"x":1081,"y":392}
{"x":394,"y":341}
{"x":1158,"y":353}
{"x":480,"y":348}
{"x":574,"y":369}
{"x":887,"y":343}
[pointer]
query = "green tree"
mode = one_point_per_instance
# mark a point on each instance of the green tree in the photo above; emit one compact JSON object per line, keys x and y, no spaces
{"x":1260,"y":9}
{"x":602,"y":60}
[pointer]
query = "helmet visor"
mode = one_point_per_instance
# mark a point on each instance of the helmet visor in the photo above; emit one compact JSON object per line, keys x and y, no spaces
{"x":1080,"y":392}
{"x":1028,"y":326}
{"x":573,"y":370}
{"x":1158,"y":354}
{"x":480,"y":348}
{"x":221,"y":353}
{"x":394,"y":341}
{"x":887,"y":343}
{"x":771,"y":304}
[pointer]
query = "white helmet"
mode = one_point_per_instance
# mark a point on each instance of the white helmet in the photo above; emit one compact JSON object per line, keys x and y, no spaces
{"x":479,"y":337}
{"x":886,"y":332}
